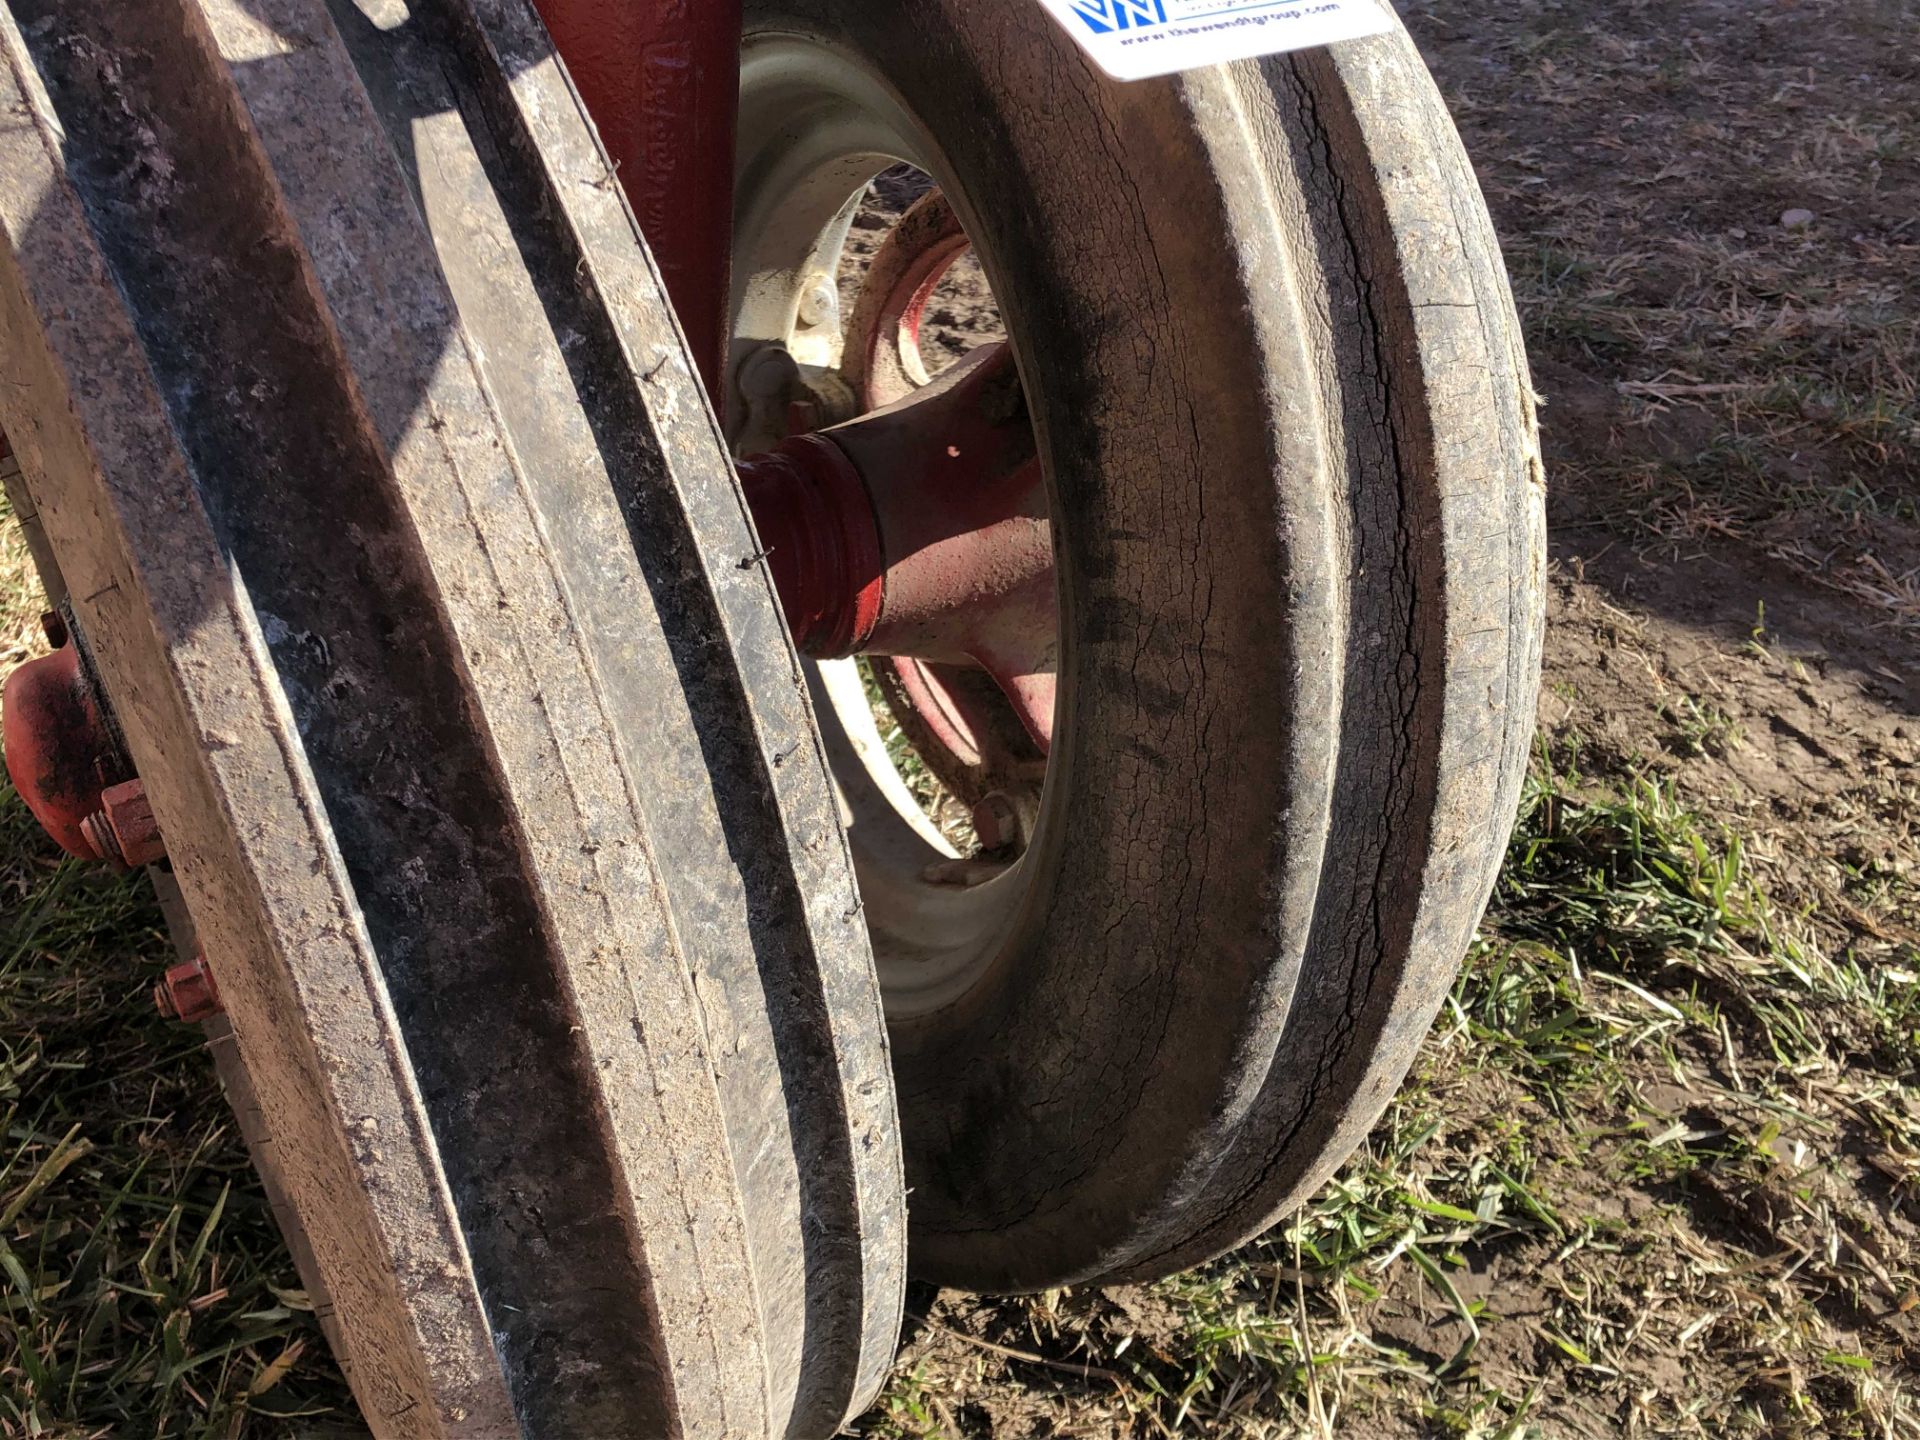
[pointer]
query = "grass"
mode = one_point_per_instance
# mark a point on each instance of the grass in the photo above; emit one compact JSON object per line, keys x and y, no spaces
{"x":1614,"y":1121}
{"x":144,"y":1289}
{"x":1770,"y":373}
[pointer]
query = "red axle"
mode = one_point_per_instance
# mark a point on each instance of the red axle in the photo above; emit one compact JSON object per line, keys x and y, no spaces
{"x":921,"y":529}
{"x":822,"y":540}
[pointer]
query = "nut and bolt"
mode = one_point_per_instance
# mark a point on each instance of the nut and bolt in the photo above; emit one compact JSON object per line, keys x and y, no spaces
{"x":123,"y":831}
{"x":820,"y":303}
{"x":770,"y":375}
{"x":188,"y":993}
{"x":803,"y":417}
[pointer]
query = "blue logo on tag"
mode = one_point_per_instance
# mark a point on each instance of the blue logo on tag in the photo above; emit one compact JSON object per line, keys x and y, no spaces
{"x":1103,"y":17}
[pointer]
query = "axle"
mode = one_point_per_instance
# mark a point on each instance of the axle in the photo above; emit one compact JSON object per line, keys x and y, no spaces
{"x":921,"y":530}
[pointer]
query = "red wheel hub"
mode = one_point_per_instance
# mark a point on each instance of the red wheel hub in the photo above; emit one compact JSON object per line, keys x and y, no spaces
{"x":921,"y":530}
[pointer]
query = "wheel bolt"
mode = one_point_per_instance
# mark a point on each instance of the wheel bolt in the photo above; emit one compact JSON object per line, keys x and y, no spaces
{"x":820,"y":304}
{"x":123,"y":831}
{"x":188,"y":993}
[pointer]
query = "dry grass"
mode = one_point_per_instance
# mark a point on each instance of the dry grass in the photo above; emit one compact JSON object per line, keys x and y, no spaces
{"x":20,"y":599}
{"x":1641,"y":159}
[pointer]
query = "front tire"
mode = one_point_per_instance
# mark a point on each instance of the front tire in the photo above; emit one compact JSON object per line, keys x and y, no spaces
{"x":1280,"y":393}
{"x":408,"y":552}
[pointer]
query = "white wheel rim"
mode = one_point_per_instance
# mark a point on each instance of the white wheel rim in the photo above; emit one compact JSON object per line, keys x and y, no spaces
{"x":816,"y":128}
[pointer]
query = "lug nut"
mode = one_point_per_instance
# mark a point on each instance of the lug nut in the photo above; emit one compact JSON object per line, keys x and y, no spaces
{"x":188,"y":993}
{"x":123,"y":831}
{"x":820,"y":303}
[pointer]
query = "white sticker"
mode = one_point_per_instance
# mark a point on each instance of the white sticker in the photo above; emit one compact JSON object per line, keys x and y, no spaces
{"x":1134,"y":39}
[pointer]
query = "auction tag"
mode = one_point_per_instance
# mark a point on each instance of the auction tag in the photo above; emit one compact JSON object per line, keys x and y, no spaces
{"x":1133,"y":39}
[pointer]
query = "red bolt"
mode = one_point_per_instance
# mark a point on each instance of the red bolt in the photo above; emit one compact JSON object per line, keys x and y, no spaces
{"x":123,"y":831}
{"x":188,"y":993}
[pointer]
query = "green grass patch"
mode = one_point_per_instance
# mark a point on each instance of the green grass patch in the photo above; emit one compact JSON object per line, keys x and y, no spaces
{"x":1628,"y":938}
{"x":144,"y":1289}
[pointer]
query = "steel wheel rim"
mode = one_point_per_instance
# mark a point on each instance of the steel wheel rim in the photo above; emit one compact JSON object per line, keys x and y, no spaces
{"x":816,"y":128}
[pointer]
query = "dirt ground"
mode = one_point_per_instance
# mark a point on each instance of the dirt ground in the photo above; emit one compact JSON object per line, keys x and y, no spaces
{"x":1658,"y":1172}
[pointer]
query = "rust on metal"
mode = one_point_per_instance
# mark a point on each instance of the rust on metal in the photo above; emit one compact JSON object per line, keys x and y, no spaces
{"x":60,"y":749}
{"x":122,"y":831}
{"x":188,"y":993}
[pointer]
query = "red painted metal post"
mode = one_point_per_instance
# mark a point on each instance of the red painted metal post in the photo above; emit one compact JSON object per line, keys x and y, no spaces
{"x":661,"y":79}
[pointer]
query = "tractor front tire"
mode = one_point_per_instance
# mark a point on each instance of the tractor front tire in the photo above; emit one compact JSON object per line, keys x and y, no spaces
{"x":1279,"y":390}
{"x":407,"y":553}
